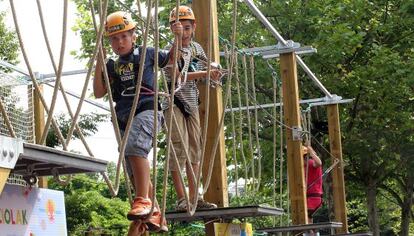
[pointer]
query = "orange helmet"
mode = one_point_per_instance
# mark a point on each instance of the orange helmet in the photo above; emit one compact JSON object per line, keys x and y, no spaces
{"x":184,"y":13}
{"x":118,"y":22}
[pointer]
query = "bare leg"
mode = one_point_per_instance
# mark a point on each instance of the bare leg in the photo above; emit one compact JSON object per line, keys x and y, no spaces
{"x":179,"y":187}
{"x":141,"y":173}
{"x":192,"y":182}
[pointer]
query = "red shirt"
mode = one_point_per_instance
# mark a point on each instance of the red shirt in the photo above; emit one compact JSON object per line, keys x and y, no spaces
{"x":314,"y":175}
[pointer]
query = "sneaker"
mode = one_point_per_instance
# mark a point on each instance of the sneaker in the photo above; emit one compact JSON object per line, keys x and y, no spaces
{"x":140,"y":208}
{"x":181,"y":205}
{"x":154,"y":223}
{"x":203,"y":204}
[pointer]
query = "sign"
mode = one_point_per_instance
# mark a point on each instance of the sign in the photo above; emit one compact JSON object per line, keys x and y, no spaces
{"x":230,"y":229}
{"x":32,"y":212}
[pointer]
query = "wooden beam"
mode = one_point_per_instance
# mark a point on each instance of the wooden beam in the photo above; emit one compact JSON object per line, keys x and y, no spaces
{"x":217,"y":192}
{"x":338,"y":185}
{"x":39,"y":118}
{"x":4,"y":174}
{"x":295,"y":161}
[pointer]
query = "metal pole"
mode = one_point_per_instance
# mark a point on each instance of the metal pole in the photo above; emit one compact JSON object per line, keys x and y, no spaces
{"x":279,"y":38}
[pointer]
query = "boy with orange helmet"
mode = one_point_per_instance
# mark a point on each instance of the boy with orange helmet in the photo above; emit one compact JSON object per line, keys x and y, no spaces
{"x":185,"y":110}
{"x":123,"y":76}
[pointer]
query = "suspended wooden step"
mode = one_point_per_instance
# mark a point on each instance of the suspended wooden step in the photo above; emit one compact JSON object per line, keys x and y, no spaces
{"x":302,"y":228}
{"x":45,"y":161}
{"x":356,"y":234}
{"x":225,"y":213}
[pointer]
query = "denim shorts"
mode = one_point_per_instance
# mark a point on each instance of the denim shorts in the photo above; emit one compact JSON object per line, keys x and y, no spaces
{"x":139,"y":142}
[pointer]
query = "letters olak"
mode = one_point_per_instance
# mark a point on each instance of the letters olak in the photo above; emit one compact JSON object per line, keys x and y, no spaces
{"x":13,"y":216}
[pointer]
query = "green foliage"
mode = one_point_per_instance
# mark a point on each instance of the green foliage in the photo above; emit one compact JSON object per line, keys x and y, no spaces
{"x":9,"y":46}
{"x":90,"y":208}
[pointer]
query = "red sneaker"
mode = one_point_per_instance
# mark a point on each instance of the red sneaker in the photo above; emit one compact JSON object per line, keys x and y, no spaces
{"x":154,"y":223}
{"x":140,"y":208}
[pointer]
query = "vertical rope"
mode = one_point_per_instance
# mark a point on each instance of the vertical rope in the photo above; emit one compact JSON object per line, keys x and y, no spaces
{"x":249,"y":124}
{"x":86,"y":83}
{"x":233,"y":130}
{"x":228,"y":91}
{"x":281,"y":168}
{"x":275,"y":113}
{"x":240,"y":128}
{"x":58,"y":72}
{"x":177,"y":41}
{"x":207,"y":105}
{"x":259,"y":152}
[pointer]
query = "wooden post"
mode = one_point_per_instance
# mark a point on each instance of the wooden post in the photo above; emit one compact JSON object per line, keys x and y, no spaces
{"x":338,"y":182}
{"x":4,"y":174}
{"x":295,"y":161}
{"x":217,"y":192}
{"x":39,"y":118}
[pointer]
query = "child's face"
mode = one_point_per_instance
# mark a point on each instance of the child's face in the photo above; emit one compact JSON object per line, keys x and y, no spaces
{"x":188,"y":31}
{"x":122,"y":43}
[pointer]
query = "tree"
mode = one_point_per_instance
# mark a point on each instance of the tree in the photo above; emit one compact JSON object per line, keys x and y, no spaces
{"x":9,"y":46}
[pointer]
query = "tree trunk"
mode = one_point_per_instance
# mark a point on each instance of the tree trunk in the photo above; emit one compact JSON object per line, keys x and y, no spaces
{"x":407,"y":204}
{"x":372,"y":209}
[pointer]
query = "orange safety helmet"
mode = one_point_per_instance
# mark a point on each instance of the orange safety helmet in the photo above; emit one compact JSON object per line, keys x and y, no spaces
{"x":118,"y":22}
{"x":184,"y":13}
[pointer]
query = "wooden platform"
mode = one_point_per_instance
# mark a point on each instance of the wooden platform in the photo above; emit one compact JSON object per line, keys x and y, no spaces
{"x":227,"y":213}
{"x":356,"y":234}
{"x":307,"y":227}
{"x":41,"y":160}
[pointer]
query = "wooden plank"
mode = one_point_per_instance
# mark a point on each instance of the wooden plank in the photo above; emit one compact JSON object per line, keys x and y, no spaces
{"x":356,"y":234}
{"x":217,"y":192}
{"x":338,"y":185}
{"x":227,"y":213}
{"x":307,"y":227}
{"x":39,"y":118}
{"x":295,"y":161}
{"x":4,"y":174}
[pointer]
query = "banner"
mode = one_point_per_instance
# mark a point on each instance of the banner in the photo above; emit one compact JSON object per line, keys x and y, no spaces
{"x":32,"y":212}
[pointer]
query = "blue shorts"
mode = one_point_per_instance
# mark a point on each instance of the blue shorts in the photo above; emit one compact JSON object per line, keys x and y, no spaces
{"x":139,"y":142}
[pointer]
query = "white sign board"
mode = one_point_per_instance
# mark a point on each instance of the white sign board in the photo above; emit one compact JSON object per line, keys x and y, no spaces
{"x":32,"y":212}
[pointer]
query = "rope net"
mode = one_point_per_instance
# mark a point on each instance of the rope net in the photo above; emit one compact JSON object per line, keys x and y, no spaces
{"x":17,"y":99}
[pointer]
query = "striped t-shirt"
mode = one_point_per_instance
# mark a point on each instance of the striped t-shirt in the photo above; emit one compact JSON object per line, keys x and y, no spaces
{"x":188,"y":94}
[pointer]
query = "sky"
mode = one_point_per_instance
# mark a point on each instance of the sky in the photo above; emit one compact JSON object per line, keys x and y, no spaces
{"x":103,"y":143}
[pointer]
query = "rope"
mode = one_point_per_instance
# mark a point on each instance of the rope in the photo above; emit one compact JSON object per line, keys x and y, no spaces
{"x":113,"y":189}
{"x":228,"y":91}
{"x":85,"y":86}
{"x":60,"y":67}
{"x":249,"y":124}
{"x":101,"y":57}
{"x":65,"y":98}
{"x":207,"y":105}
{"x":259,"y":153}
{"x":240,"y":128}
{"x":7,"y":120}
{"x":33,"y":77}
{"x":233,"y":130}
{"x":275,"y":149}
{"x":177,"y":41}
